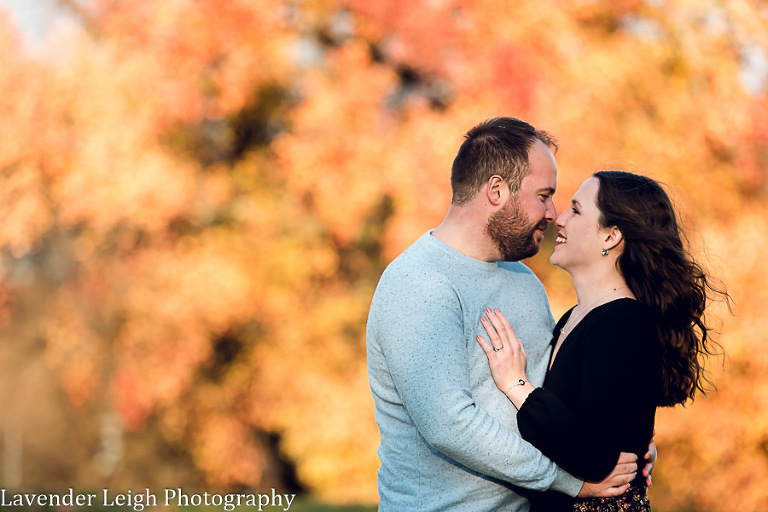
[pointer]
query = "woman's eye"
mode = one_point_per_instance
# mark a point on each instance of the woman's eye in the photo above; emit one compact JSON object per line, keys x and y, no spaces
{"x":574,"y":210}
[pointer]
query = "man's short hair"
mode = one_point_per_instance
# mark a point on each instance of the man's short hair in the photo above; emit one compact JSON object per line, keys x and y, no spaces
{"x":496,"y":146}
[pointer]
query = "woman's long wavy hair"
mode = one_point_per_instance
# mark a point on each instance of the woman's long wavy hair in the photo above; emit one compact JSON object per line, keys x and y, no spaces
{"x":663,"y":276}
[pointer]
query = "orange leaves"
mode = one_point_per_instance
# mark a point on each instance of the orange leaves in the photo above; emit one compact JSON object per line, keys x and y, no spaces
{"x":73,"y":350}
{"x":25,"y":209}
{"x":337,"y":154}
{"x":26,"y":212}
{"x":175,"y":303}
{"x":223,"y":449}
{"x":421,"y":35}
{"x":207,"y":55}
{"x":315,"y":356}
{"x":82,"y":152}
{"x":204,"y":192}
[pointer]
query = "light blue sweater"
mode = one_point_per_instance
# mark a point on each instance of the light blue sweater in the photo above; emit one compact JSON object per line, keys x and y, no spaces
{"x":449,"y":438}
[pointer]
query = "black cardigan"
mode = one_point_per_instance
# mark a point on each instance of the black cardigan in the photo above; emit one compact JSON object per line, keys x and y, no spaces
{"x":599,"y":397}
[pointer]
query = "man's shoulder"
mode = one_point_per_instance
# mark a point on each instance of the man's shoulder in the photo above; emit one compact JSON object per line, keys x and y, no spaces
{"x":423,"y":254}
{"x":421,"y":258}
{"x":417,"y":282}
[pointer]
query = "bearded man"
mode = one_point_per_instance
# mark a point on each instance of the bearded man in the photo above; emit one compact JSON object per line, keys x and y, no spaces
{"x":449,"y":439}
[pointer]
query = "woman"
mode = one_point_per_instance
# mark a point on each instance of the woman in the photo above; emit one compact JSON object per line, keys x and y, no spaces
{"x":632,"y":343}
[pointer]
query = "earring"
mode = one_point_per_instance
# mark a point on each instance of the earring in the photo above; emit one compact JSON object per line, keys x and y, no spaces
{"x":604,"y":252}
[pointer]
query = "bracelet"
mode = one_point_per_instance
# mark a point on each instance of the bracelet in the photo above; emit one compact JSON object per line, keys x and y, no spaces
{"x":520,"y":382}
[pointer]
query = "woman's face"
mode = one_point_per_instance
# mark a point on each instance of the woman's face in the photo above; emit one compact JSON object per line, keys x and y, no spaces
{"x":580,"y":238}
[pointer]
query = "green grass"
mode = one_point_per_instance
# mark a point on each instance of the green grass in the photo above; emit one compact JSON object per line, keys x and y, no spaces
{"x":307,"y":505}
{"x":300,"y":504}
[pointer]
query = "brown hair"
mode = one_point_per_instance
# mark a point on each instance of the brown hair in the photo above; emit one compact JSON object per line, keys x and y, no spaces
{"x":663,"y":276}
{"x":496,"y":146}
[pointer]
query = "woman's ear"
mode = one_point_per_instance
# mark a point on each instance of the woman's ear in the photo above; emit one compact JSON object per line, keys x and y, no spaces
{"x":612,"y":238}
{"x":496,"y":190}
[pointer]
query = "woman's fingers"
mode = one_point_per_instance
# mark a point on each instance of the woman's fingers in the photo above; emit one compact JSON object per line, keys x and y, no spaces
{"x":510,"y":331}
{"x":486,"y":348}
{"x":510,"y":338}
{"x":505,"y":323}
{"x":506,"y":360}
{"x":498,"y":325}
{"x":501,"y":333}
{"x":496,"y":342}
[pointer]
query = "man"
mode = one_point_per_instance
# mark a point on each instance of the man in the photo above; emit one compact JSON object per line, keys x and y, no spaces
{"x":449,"y":439}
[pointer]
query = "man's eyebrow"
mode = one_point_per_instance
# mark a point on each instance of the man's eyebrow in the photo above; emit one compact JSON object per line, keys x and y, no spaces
{"x":548,"y":190}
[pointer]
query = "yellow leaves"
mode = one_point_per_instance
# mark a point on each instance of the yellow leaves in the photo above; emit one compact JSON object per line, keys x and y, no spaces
{"x":213,"y":53}
{"x":416,"y":35}
{"x":733,"y":446}
{"x":72,"y":349}
{"x":143,"y":190}
{"x":155,"y":363}
{"x":338,"y":419}
{"x":201,"y":279}
{"x":679,"y":81}
{"x":338,"y":150}
{"x":223,"y":448}
{"x":87,"y":156}
{"x":315,"y":355}
{"x":176,"y":303}
{"x":230,"y":297}
{"x":25,"y":211}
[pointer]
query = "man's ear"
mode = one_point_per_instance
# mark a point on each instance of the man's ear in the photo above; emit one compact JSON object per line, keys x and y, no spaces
{"x":496,"y":190}
{"x":612,"y":238}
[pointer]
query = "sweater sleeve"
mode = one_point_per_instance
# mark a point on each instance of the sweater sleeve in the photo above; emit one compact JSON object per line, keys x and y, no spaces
{"x":587,"y":441}
{"x":419,"y":328}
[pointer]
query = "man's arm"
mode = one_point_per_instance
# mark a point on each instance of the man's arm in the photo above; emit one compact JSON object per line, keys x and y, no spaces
{"x":625,"y":471}
{"x":419,"y":327}
{"x":616,"y":483}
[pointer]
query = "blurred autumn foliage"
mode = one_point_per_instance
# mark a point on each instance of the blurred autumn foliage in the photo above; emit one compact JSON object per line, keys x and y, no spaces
{"x":198,"y":198}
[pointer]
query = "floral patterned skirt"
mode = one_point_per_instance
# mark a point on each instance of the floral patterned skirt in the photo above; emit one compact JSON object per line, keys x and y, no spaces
{"x":634,"y":500}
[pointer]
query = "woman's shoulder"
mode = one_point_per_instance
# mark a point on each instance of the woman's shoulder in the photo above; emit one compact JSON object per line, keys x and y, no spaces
{"x":625,"y":319}
{"x":621,"y":311}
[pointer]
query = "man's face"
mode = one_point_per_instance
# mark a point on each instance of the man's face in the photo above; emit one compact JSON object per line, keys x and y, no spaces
{"x":518,"y":227}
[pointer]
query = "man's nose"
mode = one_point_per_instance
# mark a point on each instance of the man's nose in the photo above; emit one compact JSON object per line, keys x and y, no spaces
{"x":551,"y":213}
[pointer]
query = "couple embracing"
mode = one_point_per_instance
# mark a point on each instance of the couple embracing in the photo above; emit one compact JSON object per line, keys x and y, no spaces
{"x":483,"y":402}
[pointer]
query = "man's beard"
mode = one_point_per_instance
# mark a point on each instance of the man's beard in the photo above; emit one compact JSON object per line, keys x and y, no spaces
{"x":513,"y":232}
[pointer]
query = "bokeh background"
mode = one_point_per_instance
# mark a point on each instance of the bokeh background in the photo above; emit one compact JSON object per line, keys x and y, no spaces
{"x":197,"y":198}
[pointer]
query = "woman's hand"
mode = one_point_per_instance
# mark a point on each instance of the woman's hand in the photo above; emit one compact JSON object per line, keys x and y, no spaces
{"x":506,"y":355}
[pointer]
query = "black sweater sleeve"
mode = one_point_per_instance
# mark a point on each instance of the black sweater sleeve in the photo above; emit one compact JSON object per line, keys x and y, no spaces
{"x":614,"y":405}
